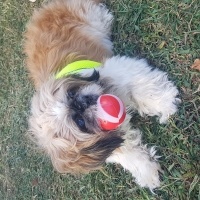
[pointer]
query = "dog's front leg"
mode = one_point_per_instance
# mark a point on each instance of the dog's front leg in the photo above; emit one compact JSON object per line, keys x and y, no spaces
{"x":142,"y":87}
{"x":138,"y":159}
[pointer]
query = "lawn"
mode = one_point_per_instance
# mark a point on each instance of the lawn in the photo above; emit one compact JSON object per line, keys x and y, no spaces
{"x":167,"y":33}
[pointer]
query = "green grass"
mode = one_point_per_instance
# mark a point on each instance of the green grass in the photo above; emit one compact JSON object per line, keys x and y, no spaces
{"x":167,"y":33}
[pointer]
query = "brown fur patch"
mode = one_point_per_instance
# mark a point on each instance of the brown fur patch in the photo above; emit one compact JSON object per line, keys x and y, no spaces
{"x":54,"y":38}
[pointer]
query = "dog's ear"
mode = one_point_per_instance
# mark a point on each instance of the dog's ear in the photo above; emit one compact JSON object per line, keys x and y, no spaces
{"x":82,"y":157}
{"x":100,"y":150}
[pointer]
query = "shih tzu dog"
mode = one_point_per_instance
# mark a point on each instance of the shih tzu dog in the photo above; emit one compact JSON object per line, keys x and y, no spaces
{"x":63,"y":119}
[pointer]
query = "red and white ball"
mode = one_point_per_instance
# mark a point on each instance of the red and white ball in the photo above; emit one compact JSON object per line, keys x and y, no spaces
{"x":111,"y":111}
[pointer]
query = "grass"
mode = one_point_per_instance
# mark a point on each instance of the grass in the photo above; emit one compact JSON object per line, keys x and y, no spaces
{"x":167,"y":33}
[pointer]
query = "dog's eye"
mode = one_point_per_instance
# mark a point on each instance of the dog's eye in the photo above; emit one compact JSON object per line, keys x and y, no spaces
{"x":71,"y":93}
{"x":80,"y":122}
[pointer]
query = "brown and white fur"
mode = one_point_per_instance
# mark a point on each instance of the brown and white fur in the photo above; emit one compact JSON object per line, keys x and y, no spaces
{"x":63,"y":118}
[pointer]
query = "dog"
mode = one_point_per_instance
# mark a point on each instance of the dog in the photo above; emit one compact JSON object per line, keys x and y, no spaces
{"x":63,"y":120}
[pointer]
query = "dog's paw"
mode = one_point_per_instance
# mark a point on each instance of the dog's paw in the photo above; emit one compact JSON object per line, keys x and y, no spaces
{"x":168,"y":109}
{"x":149,"y":177}
{"x":148,"y":171}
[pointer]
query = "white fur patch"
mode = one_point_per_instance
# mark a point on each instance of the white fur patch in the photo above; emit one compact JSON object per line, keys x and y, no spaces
{"x":91,"y":89}
{"x":145,"y":89}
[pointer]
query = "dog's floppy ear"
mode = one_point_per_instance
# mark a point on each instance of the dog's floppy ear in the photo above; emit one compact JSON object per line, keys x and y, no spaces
{"x":82,"y":157}
{"x":101,"y":150}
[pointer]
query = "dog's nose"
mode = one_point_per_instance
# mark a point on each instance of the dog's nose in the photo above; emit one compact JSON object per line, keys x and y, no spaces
{"x":90,"y":99}
{"x":83,"y":102}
